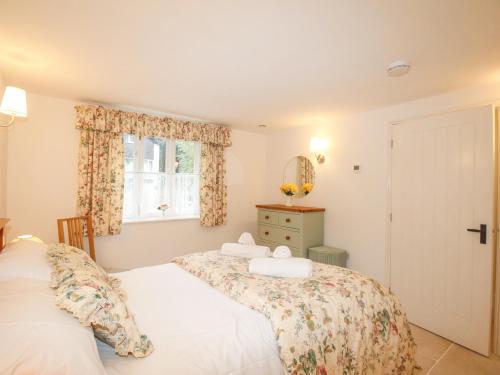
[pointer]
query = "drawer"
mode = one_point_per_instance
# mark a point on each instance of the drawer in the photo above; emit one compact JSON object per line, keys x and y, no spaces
{"x":268,"y":217}
{"x":266,"y":233}
{"x":289,"y":238}
{"x":290,"y":220}
{"x":280,"y":236}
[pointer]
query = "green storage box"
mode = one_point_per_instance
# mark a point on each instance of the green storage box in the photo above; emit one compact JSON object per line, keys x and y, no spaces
{"x":328,"y":255}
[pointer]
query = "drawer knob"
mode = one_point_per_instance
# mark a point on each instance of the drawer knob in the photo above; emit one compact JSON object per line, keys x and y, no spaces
{"x":266,"y":217}
{"x":287,"y":220}
{"x":266,"y":233}
{"x":287,"y":238}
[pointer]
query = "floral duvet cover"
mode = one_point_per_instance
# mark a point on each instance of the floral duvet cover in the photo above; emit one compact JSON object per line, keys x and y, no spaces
{"x":336,"y":322}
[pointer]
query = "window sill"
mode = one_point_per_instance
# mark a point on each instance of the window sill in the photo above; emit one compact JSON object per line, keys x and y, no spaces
{"x":156,"y":219}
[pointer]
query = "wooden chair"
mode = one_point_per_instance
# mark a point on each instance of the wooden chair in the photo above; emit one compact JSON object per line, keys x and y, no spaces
{"x":74,"y":226}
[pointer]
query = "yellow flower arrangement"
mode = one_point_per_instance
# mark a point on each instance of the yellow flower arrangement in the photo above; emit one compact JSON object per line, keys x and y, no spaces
{"x":307,"y":187}
{"x":289,"y":189}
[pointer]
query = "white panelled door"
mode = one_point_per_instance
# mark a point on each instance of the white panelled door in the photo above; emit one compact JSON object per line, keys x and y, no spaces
{"x":442,"y":184}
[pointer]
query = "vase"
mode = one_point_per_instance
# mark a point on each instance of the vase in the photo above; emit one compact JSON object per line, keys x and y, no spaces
{"x":288,"y":201}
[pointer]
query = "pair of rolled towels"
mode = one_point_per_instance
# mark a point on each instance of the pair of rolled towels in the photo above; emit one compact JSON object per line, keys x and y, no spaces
{"x":245,"y":248}
{"x":281,"y":264}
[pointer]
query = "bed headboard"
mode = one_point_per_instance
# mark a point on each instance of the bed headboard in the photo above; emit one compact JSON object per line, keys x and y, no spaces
{"x":3,"y":223}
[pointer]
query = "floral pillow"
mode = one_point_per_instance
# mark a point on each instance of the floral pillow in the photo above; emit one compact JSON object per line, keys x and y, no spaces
{"x":67,"y":260}
{"x":83,"y":289}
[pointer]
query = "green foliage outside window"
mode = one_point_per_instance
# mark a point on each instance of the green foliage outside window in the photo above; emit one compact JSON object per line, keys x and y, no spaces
{"x":184,"y":157}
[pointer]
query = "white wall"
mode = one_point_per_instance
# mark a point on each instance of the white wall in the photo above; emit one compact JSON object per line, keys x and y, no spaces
{"x":356,"y":204}
{"x":42,"y":180}
{"x":41,"y":168}
{"x":355,"y":210}
{"x":3,"y":158}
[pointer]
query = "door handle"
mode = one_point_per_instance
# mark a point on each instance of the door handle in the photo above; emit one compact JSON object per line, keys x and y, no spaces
{"x":481,"y":231}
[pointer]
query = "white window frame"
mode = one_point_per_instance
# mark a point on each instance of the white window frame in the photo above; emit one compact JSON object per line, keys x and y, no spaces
{"x":170,"y":166}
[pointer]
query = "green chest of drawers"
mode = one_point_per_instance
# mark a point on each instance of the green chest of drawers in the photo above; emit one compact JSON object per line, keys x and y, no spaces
{"x":297,"y":227}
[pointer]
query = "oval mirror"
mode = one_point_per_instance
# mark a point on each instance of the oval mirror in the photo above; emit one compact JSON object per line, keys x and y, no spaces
{"x":300,"y":171}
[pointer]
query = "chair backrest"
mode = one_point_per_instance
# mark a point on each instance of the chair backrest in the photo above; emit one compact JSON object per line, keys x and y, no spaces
{"x":75,"y":230}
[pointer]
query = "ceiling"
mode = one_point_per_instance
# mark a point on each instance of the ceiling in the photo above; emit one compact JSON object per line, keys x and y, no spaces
{"x":243,"y":63}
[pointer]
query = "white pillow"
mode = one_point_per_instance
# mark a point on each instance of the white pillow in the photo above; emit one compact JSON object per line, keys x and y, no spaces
{"x":25,"y":258}
{"x":19,"y":244}
{"x":39,"y":338}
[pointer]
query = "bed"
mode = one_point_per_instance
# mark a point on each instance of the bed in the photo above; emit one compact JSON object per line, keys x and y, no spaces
{"x":206,"y":314}
{"x":195,"y":329}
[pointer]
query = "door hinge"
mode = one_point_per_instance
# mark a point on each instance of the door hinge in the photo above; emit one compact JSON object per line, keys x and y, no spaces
{"x":390,"y":217}
{"x":392,"y":143}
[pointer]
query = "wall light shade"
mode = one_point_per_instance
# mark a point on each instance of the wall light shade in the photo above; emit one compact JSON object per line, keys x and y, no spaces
{"x":14,"y":102}
{"x":318,"y":144}
{"x":318,"y":147}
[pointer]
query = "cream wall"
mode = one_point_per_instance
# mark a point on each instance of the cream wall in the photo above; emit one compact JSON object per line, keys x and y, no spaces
{"x":41,"y":181}
{"x":41,"y":187}
{"x":356,"y":204}
{"x":3,"y":158}
{"x":40,"y":171}
{"x":41,"y":176}
{"x":38,"y":182}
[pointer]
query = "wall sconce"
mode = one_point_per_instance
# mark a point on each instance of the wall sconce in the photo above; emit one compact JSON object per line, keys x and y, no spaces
{"x":13,"y":104}
{"x":318,"y":147}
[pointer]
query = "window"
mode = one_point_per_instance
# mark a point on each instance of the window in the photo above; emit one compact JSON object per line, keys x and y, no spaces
{"x":161,"y":173}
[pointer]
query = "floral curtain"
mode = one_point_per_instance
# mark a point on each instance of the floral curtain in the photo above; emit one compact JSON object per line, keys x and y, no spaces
{"x":100,"y":180}
{"x":100,"y":166}
{"x":213,"y":191}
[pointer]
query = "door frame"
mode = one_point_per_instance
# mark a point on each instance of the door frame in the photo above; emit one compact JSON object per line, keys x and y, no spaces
{"x":495,"y":297}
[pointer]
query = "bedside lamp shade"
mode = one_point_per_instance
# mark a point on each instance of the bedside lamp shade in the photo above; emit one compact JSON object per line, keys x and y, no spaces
{"x":14,"y":102}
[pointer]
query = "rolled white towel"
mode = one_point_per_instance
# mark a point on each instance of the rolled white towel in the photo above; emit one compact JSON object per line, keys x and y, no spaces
{"x":290,"y":267}
{"x":245,"y":251}
{"x":282,"y":252}
{"x":246,"y":239}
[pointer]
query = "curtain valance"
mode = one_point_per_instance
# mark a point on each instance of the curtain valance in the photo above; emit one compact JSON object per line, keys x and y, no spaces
{"x":98,"y":118}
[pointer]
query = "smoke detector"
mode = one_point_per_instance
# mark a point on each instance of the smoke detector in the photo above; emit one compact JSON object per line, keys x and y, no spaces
{"x":398,"y":68}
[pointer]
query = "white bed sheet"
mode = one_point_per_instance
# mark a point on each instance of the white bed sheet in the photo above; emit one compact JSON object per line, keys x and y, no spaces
{"x":195,"y":329}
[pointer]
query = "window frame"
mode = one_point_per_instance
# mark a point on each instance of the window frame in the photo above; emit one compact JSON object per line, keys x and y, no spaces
{"x":169,"y":174}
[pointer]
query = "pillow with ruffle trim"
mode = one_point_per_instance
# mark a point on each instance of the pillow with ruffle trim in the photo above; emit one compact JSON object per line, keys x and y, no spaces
{"x":68,"y":260}
{"x":94,"y":298}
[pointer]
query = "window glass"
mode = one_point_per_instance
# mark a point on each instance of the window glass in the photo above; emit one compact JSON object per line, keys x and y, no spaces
{"x":129,"y":150}
{"x":184,"y":157}
{"x":161,"y":178}
{"x":154,"y":154}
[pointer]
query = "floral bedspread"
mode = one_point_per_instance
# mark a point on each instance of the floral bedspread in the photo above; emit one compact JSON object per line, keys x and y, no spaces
{"x":337,"y":322}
